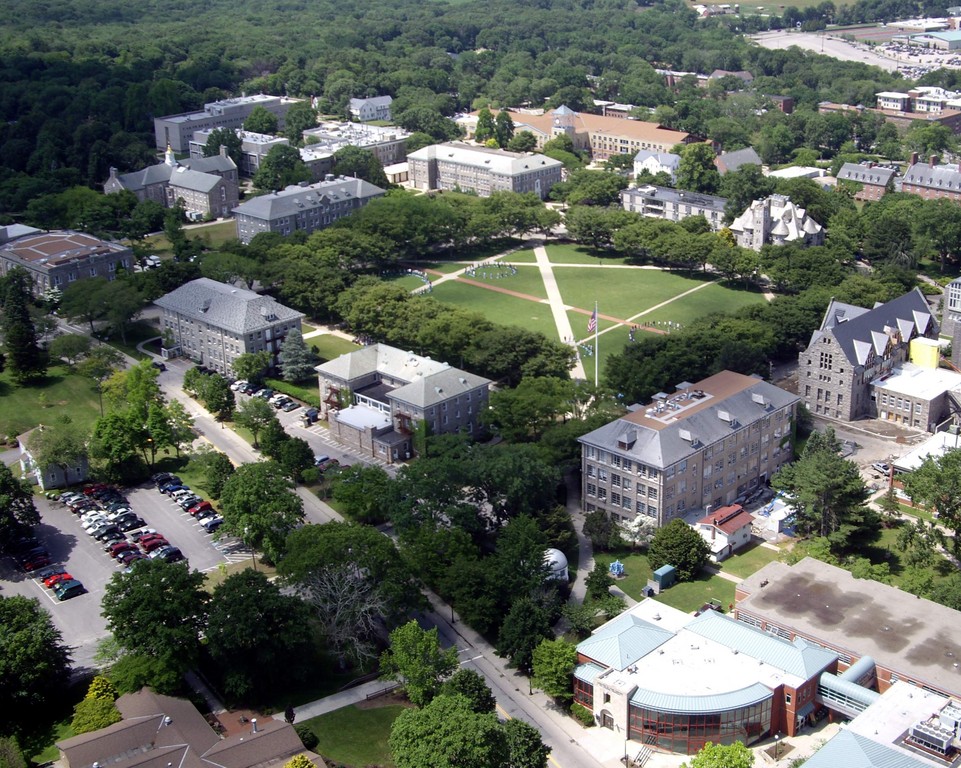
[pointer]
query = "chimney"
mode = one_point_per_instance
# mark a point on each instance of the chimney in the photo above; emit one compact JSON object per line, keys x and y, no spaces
{"x":253,"y":725}
{"x":223,"y":150}
{"x":914,"y":158}
{"x":932,"y":161}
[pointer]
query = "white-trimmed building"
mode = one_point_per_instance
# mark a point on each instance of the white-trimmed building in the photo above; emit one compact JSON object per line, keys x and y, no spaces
{"x":674,"y":204}
{"x":657,"y":162}
{"x":775,"y":220}
{"x":374,"y":108}
{"x":481,"y":170}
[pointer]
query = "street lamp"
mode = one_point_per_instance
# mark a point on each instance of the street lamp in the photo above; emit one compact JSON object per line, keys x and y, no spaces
{"x":777,"y":752}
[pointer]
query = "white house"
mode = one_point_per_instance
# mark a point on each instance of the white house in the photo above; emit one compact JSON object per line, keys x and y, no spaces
{"x":375,"y":108}
{"x":726,"y":530}
{"x":52,"y":475}
{"x":657,"y":162}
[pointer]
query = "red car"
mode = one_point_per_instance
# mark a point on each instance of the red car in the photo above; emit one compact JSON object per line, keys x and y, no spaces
{"x":149,"y":545}
{"x":51,"y":581}
{"x":119,"y":547}
{"x":89,"y":490}
{"x":130,"y":556}
{"x":200,"y":507}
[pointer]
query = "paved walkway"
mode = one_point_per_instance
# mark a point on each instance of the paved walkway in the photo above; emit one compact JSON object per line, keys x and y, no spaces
{"x":338,"y":700}
{"x":558,"y":307}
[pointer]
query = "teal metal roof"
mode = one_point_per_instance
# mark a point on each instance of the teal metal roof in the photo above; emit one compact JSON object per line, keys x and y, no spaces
{"x":854,"y":751}
{"x":798,"y":658}
{"x":722,"y":702}
{"x":623,"y":641}
{"x":587,"y":672}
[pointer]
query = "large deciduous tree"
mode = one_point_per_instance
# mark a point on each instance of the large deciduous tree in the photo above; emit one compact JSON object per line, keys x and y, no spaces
{"x":696,"y":171}
{"x":251,"y":366}
{"x":61,"y":444}
{"x":157,"y":610}
{"x":527,"y":623}
{"x":472,"y":686}
{"x":255,"y":414}
{"x":18,"y":513}
{"x":525,"y":747}
{"x":937,"y":484}
{"x":227,"y":138}
{"x":416,"y":660}
{"x":261,"y":121}
{"x":679,"y":545}
{"x":281,"y":167}
{"x":553,"y":667}
{"x":360,"y":163}
{"x":259,"y":506}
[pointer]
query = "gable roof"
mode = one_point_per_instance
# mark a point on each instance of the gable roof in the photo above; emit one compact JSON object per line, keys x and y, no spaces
{"x":295,"y":198}
{"x":667,"y":159}
{"x":730,"y":161}
{"x":623,"y":641}
{"x":223,"y":306}
{"x":946,"y":177}
{"x":875,"y":175}
{"x":273,"y":741}
{"x":729,"y":519}
{"x":184,"y":178}
{"x":373,"y":101}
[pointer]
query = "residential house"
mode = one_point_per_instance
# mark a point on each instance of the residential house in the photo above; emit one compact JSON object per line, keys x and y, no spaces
{"x":176,"y":131}
{"x":51,"y":475}
{"x":728,"y":162}
{"x":213,"y":323}
{"x":741,"y":74}
{"x":657,"y":162}
{"x":873,"y":181}
{"x":162,"y":731}
{"x":482,"y":170}
{"x":853,"y":347}
{"x":932,"y":181}
{"x":307,"y":207}
{"x":726,"y":530}
{"x":705,"y":446}
{"x":56,"y":259}
{"x":775,"y":220}
{"x":374,"y":400}
{"x":375,"y":108}
{"x":674,"y":204}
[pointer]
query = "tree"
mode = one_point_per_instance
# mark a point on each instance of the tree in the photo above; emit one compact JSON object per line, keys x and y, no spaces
{"x":365,"y":493}
{"x":251,"y":366}
{"x":486,"y":127}
{"x":361,"y":163}
{"x":260,"y":507}
{"x":447,"y":734}
{"x":261,"y":121}
{"x":218,"y":397}
{"x":296,"y":360}
{"x":525,"y":626}
{"x":23,"y":356}
{"x":598,"y":582}
{"x":227,"y":138}
{"x":100,"y":365}
{"x":553,"y":667}
{"x":84,"y":300}
{"x":295,"y":456}
{"x":158,"y":611}
{"x":735,"y":755}
{"x":181,"y":426}
{"x":70,"y":346}
{"x":280,"y":167}
{"x":299,"y":761}
{"x":602,"y":531}
{"x":10,"y":754}
{"x":503,"y":128}
{"x":258,"y":636}
{"x":471,"y":685}
{"x":524,"y":745}
{"x":523,"y":413}
{"x":298,"y":119}
{"x":936,"y":484}
{"x":525,"y":141}
{"x":828,"y":495}
{"x":416,"y":661}
{"x":34,"y":662}
{"x":217,"y":469}
{"x":696,"y":170}
{"x":62,"y":444}
{"x":255,"y":414}
{"x":94,"y":714}
{"x":18,"y":513}
{"x":679,"y":545}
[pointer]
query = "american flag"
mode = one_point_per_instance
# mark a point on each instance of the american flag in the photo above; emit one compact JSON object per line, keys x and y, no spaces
{"x":592,"y":323}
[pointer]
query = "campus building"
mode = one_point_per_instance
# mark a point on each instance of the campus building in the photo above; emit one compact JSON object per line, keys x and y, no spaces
{"x":253,"y":147}
{"x":951,"y":308}
{"x":657,"y":162}
{"x":50,"y":475}
{"x":387,"y":143}
{"x":674,"y":204}
{"x":931,"y":180}
{"x":213,"y":323}
{"x":375,"y":398}
{"x":481,"y":170}
{"x":373,"y":108}
{"x":873,"y":181}
{"x":707,"y":445}
{"x":56,"y":259}
{"x":855,"y":346}
{"x":775,"y":220}
{"x":176,"y":131}
{"x":307,"y":207}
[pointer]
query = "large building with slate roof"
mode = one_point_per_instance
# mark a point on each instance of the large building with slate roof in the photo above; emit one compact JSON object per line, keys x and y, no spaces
{"x":856,"y":346}
{"x":671,"y":682}
{"x":775,"y":220}
{"x":932,"y":181}
{"x":307,"y":207}
{"x":213,"y":323}
{"x":873,"y":181}
{"x":674,"y":204}
{"x":706,"y":445}
{"x":376,"y":397}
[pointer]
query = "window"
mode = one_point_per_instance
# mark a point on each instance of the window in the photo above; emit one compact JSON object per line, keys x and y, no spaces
{"x":591,"y":489}
{"x":616,"y":499}
{"x":787,"y":698}
{"x":615,"y":480}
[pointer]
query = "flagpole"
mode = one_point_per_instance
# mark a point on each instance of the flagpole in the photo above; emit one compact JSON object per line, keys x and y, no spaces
{"x":596,"y":350}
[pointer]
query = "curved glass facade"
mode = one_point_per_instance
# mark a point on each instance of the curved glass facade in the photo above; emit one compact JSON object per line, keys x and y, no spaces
{"x":687,"y":733}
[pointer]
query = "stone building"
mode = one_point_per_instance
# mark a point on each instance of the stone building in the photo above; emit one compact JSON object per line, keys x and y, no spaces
{"x":674,"y":204}
{"x":775,"y":220}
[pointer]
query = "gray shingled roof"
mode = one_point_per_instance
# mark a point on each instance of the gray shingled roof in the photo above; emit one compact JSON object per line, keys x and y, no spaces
{"x":214,"y":164}
{"x":295,"y":199}
{"x":666,"y":159}
{"x":196,"y":181}
{"x":145,"y":177}
{"x":441,"y":386}
{"x":946,"y":177}
{"x":876,"y":175}
{"x":731,"y":161}
{"x":677,"y":196}
{"x":223,"y":306}
{"x":376,"y":101}
{"x":909,"y":313}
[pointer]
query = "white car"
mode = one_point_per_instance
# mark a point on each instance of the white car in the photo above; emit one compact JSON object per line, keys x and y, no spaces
{"x":178,"y":495}
{"x":277,"y":397}
{"x":93,"y":522}
{"x":238,"y":385}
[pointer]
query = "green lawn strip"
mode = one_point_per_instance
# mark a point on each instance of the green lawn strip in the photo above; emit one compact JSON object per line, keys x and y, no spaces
{"x":688,"y":596}
{"x":215,"y":235}
{"x":306,"y":327}
{"x":525,"y":281}
{"x":749,"y":560}
{"x":407,"y":282}
{"x":708,"y":300}
{"x":355,"y":736}
{"x":218,"y":575}
{"x":620,"y":293}
{"x":327,"y":346}
{"x":567,"y":253}
{"x":59,"y":731}
{"x":920,"y":512}
{"x":499,"y":307}
{"x":523,"y":256}
{"x":59,"y":392}
{"x":305,"y":391}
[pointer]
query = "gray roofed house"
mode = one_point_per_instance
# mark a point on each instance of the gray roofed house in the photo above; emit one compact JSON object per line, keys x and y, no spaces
{"x":656,"y":461}
{"x":853,"y":347}
{"x":307,"y":207}
{"x":374,"y":399}
{"x":373,"y":108}
{"x":674,"y":204}
{"x":728,"y":162}
{"x":213,"y":323}
{"x":932,"y":181}
{"x":874,"y":180}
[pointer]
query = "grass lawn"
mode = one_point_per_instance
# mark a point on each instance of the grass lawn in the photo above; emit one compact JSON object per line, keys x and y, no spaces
{"x":920,"y":512}
{"x":749,"y":560}
{"x":59,"y":392}
{"x":355,"y":736}
{"x":137,"y":332}
{"x":59,"y":731}
{"x":525,"y":256}
{"x":566,"y":253}
{"x":636,"y":570}
{"x":328,"y":346}
{"x":217,"y":576}
{"x":499,"y":307}
{"x":305,"y":391}
{"x":441,"y":266}
{"x":525,"y":281}
{"x":715,"y":297}
{"x":407,"y":282}
{"x":211,"y":235}
{"x":688,"y":596}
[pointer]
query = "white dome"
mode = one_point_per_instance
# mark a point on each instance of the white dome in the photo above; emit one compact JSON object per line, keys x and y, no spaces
{"x":556,"y":562}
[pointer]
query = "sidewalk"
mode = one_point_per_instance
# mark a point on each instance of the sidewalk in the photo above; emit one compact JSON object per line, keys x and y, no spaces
{"x":558,"y":308}
{"x":338,"y":700}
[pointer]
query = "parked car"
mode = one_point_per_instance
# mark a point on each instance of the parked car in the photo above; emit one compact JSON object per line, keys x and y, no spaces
{"x":138,"y":535}
{"x":34,"y":561}
{"x":132,"y":524}
{"x":56,"y":578}
{"x":329,"y":464}
{"x":188,"y":501}
{"x":52,"y":570}
{"x":311,"y":415}
{"x":92,"y":522}
{"x":205,"y":513}
{"x":179,"y":493}
{"x":158,"y":365}
{"x":238,"y":385}
{"x":265,"y":393}
{"x":249,"y":389}
{"x":163,"y":478}
{"x":117,"y":547}
{"x":108,"y":533}
{"x":290,"y":405}
{"x":150,"y":544}
{"x":322,"y":458}
{"x":200,"y":507}
{"x":66,"y":590}
{"x":168,"y":554}
{"x":211,"y":524}
{"x":52,"y":495}
{"x":881,"y":467}
{"x":130,"y":556}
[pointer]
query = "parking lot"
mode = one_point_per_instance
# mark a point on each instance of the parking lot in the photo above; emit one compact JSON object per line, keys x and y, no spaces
{"x":79,"y":619}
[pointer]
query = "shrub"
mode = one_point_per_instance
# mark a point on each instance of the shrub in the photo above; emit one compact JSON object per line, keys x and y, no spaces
{"x":101,"y":688}
{"x":94,"y":714}
{"x":307,"y":736}
{"x":583,"y":715}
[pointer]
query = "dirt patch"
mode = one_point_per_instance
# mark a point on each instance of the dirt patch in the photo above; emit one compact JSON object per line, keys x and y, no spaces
{"x":387,"y":700}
